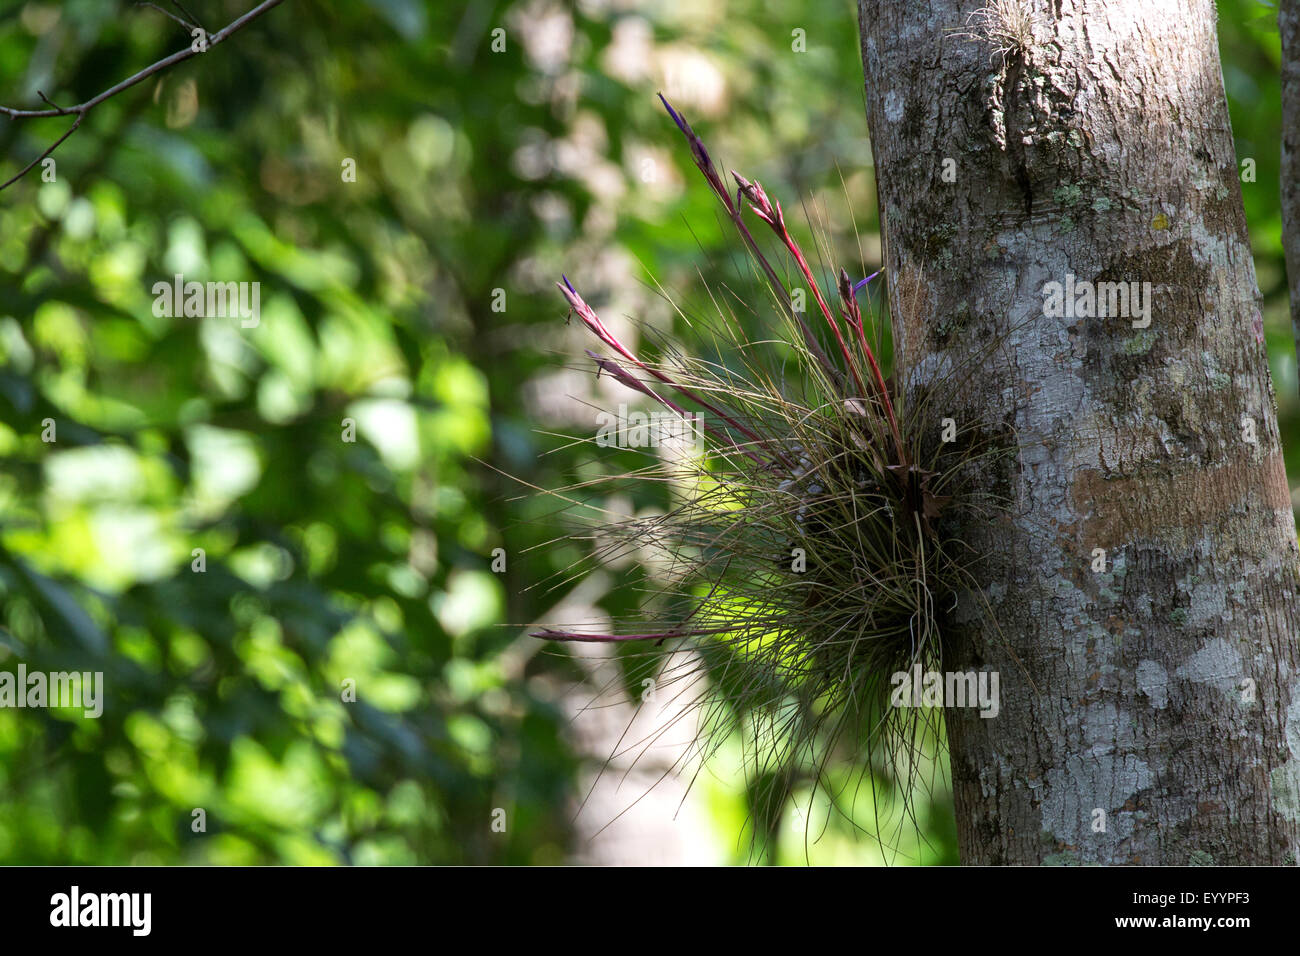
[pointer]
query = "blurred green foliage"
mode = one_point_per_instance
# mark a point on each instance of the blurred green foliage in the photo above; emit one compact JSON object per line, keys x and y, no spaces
{"x":417,"y":302}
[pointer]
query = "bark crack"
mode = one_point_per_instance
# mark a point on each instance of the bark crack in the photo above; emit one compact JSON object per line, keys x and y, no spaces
{"x":1013,"y":136}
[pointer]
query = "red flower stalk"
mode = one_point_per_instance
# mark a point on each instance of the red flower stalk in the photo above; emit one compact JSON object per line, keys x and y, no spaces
{"x":771,"y":214}
{"x":705,"y":163}
{"x":589,"y":318}
{"x":853,"y":316}
{"x":632,"y":382}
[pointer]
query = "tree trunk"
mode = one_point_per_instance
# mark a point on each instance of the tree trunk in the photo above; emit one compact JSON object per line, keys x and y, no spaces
{"x":1288,"y":25}
{"x":1150,"y":710}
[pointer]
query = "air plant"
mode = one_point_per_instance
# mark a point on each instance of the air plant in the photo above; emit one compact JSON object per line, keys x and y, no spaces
{"x":805,"y":558}
{"x":1009,"y":27}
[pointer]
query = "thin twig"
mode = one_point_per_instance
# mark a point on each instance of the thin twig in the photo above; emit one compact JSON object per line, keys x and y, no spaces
{"x":171,"y":16}
{"x":53,"y":146}
{"x":193,"y":18}
{"x":81,"y":109}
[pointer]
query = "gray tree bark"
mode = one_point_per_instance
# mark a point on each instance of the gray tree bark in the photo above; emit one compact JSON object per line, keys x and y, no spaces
{"x":1288,"y":24}
{"x":1150,"y":711}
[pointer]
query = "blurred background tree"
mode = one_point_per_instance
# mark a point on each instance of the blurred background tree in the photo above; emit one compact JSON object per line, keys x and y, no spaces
{"x":496,"y":145}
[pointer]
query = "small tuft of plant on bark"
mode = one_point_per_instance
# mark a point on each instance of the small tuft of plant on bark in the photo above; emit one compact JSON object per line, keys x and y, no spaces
{"x":1008,"y":26}
{"x":805,"y":559}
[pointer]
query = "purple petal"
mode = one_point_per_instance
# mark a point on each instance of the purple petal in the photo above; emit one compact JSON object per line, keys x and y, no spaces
{"x":857,"y":286}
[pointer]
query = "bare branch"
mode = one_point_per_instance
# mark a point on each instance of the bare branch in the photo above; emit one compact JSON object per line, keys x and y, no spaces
{"x":81,"y":109}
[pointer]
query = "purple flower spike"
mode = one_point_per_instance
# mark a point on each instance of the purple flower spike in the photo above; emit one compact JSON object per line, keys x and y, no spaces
{"x":698,"y":152}
{"x":677,"y":117}
{"x":858,"y":286}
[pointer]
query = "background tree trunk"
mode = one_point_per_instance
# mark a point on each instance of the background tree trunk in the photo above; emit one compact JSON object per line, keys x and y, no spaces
{"x":1288,"y":24}
{"x":1161,"y":691}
